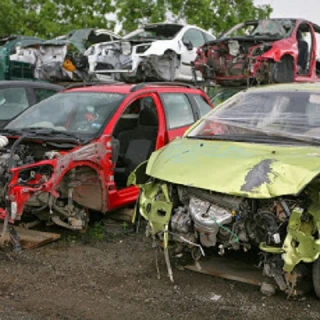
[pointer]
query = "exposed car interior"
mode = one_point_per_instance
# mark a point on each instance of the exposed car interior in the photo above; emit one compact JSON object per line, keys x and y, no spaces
{"x":304,"y":39}
{"x":134,"y":138}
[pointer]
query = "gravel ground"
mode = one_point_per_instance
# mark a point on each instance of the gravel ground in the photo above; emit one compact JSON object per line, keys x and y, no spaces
{"x":115,"y":278}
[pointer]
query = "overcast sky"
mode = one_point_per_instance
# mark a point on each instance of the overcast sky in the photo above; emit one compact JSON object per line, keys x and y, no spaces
{"x":306,"y":9}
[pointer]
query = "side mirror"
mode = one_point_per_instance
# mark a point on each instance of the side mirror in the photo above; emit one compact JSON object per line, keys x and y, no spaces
{"x":188,"y":45}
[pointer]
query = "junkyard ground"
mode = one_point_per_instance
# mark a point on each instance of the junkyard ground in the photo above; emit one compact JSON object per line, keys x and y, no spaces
{"x":115,"y":278}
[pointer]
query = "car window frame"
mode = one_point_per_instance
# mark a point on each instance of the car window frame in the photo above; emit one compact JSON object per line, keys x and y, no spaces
{"x":194,"y":113}
{"x":194,"y":29}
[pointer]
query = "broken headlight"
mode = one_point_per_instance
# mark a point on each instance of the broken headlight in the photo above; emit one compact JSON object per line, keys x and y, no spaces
{"x":126,"y":48}
{"x":35,"y":175}
{"x":261,"y":50}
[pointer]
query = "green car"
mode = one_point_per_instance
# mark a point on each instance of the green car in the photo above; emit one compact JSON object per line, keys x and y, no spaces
{"x":15,"y":70}
{"x":246,"y":177}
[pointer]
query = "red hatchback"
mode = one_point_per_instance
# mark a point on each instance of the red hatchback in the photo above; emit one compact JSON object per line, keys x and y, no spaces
{"x":74,"y":151}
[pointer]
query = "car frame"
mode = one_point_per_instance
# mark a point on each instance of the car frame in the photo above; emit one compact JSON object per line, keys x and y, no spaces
{"x":263,"y":58}
{"x":63,"y":161}
{"x":246,"y":176}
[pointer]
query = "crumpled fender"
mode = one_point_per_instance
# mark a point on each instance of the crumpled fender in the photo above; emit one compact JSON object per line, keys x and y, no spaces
{"x":300,"y":245}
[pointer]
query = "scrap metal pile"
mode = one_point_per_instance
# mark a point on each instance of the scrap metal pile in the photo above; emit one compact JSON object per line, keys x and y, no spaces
{"x":254,"y":52}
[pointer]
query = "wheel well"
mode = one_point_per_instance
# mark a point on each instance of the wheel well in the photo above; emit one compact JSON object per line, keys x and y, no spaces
{"x":87,"y":188}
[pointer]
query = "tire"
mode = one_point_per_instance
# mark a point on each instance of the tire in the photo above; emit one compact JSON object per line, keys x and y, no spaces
{"x":316,"y":277}
{"x":283,"y":71}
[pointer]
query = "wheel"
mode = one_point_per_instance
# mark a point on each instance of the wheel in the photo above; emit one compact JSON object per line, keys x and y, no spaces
{"x":283,"y":71}
{"x":316,"y":277}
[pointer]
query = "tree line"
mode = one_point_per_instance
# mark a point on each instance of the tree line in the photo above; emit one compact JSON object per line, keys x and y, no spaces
{"x":50,"y":18}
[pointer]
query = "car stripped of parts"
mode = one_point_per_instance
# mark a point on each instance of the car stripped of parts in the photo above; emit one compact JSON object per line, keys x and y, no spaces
{"x":161,"y":51}
{"x":11,"y":70}
{"x":261,"y":52}
{"x":50,"y":173}
{"x":62,"y":58}
{"x":245,"y":177}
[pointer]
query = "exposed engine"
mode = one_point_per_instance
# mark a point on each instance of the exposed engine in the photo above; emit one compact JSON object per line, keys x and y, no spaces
{"x":230,"y":222}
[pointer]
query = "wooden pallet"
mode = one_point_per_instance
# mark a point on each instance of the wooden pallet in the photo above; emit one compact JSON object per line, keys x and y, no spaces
{"x":30,"y":239}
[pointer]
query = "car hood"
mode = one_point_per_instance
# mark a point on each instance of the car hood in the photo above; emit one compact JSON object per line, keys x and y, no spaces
{"x":243,"y":169}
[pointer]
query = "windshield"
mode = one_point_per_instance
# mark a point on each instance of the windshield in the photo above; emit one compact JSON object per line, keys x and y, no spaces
{"x":80,"y":113}
{"x":279,"y":28}
{"x":289,"y":115}
{"x":158,"y":32}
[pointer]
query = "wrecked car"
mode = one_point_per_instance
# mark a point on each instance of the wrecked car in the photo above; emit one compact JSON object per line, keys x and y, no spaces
{"x":73,"y":152}
{"x":262,"y":52}
{"x":62,"y":58}
{"x":155,"y":52}
{"x":16,"y":96}
{"x":15,"y":70}
{"x":244,"y":178}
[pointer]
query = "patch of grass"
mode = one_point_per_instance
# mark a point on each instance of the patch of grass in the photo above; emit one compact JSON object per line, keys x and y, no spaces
{"x":97,"y":231}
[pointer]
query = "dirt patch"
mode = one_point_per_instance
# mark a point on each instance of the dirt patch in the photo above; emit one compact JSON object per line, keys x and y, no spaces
{"x":115,"y":278}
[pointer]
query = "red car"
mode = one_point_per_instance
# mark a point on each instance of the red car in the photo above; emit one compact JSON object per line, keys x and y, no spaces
{"x":73,"y":152}
{"x":262,"y":51}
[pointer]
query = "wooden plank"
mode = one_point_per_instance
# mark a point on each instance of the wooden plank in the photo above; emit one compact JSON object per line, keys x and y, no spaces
{"x":231,"y":269}
{"x":30,"y":239}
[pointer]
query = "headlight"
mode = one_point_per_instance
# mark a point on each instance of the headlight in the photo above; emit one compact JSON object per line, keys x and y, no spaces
{"x":126,"y":48}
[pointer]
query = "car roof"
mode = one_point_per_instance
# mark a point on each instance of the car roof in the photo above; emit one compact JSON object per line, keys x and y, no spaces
{"x":29,"y":84}
{"x":286,"y":87}
{"x":124,"y":88}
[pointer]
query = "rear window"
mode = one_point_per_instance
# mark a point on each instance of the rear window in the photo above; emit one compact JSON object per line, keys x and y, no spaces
{"x":12,"y":102}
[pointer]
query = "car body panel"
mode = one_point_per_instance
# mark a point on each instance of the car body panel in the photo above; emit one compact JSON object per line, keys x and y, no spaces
{"x":261,"y":171}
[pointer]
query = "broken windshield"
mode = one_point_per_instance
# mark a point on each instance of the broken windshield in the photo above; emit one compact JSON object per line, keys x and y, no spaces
{"x":79,"y":113}
{"x":157,"y":32}
{"x":279,"y":28}
{"x":291,"y":115}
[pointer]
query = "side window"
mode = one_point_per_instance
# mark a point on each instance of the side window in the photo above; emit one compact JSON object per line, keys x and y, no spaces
{"x":209,"y":37}
{"x":42,"y":94}
{"x":177,"y":109}
{"x":202,"y":104}
{"x":195,"y":37}
{"x":12,"y":102}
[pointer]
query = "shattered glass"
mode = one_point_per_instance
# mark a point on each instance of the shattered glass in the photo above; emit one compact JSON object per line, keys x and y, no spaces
{"x":279,"y":28}
{"x":264,"y":116}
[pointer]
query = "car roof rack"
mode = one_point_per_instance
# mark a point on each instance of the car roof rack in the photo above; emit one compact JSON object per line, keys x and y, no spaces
{"x":89,"y":84}
{"x":173,"y":84}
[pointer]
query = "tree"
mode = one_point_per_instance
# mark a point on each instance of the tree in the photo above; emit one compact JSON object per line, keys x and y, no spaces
{"x":215,"y":15}
{"x":49,"y":18}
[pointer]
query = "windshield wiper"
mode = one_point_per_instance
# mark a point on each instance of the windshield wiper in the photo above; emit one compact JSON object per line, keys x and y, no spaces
{"x":257,"y":138}
{"x":48,"y":132}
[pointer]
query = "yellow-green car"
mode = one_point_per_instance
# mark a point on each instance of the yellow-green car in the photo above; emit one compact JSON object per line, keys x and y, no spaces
{"x":246,"y":176}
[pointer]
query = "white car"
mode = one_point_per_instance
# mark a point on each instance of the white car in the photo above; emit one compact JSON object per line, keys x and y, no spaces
{"x":160,"y":51}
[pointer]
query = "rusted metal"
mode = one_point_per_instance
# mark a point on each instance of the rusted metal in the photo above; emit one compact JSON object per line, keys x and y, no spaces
{"x":30,"y":239}
{"x":231,"y":269}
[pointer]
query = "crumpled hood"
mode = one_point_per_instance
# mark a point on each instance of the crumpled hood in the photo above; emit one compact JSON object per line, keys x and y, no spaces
{"x":244,"y":169}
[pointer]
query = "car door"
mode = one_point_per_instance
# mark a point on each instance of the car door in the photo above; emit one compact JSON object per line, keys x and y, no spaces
{"x":179,"y":114}
{"x":132,"y":142}
{"x":192,"y":40}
